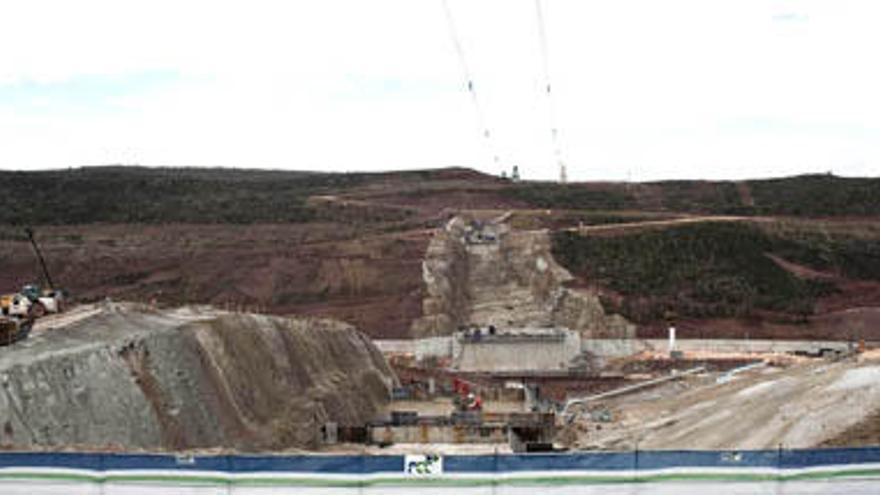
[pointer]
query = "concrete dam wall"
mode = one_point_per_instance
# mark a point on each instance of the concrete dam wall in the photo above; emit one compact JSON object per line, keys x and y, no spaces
{"x":131,"y":378}
{"x":517,"y":350}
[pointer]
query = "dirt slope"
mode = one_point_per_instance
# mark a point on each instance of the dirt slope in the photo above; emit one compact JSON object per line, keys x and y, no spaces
{"x":484,"y":273}
{"x":132,"y":378}
{"x":371,"y":280}
{"x":803,"y":406}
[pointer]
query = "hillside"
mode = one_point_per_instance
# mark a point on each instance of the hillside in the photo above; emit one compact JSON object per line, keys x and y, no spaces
{"x":807,"y":196}
{"x":198,"y":195}
{"x":725,"y":269}
{"x":193,"y":195}
{"x":351,"y":246}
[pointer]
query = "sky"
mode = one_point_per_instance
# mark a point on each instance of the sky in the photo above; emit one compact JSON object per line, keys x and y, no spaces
{"x":641,"y":89}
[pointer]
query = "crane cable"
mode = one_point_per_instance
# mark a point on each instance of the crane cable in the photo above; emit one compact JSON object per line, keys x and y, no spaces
{"x":545,"y":62}
{"x":481,"y":119}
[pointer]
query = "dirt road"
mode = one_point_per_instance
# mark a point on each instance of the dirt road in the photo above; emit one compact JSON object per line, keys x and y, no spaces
{"x":619,"y":227}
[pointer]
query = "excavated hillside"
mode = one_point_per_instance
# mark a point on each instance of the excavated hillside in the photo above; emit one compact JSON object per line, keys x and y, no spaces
{"x":351,"y":247}
{"x":340,"y":271}
{"x":133,"y":378}
{"x":485,"y":273}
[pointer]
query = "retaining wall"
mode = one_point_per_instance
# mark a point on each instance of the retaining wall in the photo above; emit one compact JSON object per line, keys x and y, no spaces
{"x":420,"y":348}
{"x":526,"y":350}
{"x":626,"y":347}
{"x":444,"y":347}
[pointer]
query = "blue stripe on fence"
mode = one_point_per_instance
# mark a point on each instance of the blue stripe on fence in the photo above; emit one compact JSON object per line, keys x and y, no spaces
{"x":352,"y":464}
{"x":707,"y":458}
{"x":599,"y":461}
{"x":59,"y":460}
{"x":470,"y":463}
{"x":165,"y":462}
{"x":343,"y":464}
{"x":826,"y":457}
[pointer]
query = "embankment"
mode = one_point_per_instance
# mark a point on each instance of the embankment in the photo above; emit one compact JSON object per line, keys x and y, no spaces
{"x":130,"y":378}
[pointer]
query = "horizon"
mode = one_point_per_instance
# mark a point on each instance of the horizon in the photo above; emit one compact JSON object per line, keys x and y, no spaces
{"x":222,"y":168}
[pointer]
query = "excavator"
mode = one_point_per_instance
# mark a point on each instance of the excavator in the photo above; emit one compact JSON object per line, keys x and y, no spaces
{"x":19,"y":310}
{"x":13,"y":328}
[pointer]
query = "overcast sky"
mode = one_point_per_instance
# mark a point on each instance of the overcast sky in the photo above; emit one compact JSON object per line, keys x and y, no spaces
{"x":643,"y":89}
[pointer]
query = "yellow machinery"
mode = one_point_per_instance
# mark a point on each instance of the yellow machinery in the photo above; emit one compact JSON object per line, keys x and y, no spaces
{"x":16,"y":319}
{"x":13,"y":328}
{"x":18,"y":311}
{"x":6,"y":303}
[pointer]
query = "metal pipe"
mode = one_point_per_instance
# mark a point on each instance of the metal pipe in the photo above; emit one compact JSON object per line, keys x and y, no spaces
{"x":630,"y":388}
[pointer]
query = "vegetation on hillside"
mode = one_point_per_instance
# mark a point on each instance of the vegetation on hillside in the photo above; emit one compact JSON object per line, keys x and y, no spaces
{"x":816,"y":195}
{"x":570,"y":196}
{"x":213,"y":195}
{"x":713,"y":269}
{"x":807,"y":195}
{"x":165,"y":195}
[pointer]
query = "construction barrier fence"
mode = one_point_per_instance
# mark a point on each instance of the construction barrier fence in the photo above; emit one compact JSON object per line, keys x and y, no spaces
{"x":855,"y":470}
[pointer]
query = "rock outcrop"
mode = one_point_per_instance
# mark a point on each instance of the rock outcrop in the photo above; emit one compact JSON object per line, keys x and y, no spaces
{"x":484,"y":273}
{"x":139,"y":379}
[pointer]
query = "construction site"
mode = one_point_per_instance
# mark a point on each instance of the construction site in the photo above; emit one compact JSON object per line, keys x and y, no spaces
{"x":506,"y":357}
{"x":439,"y":247}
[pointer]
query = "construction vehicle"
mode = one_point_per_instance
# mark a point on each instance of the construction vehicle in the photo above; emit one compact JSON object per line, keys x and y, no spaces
{"x":18,"y":311}
{"x":49,"y":300}
{"x":13,"y":328}
{"x":16,"y":319}
{"x":32,"y":301}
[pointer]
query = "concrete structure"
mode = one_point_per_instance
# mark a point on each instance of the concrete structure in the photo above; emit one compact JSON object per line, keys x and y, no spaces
{"x":628,"y":347}
{"x":438,"y":433}
{"x":445,"y":347}
{"x":526,"y":349}
{"x":519,"y":430}
{"x":439,"y":347}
